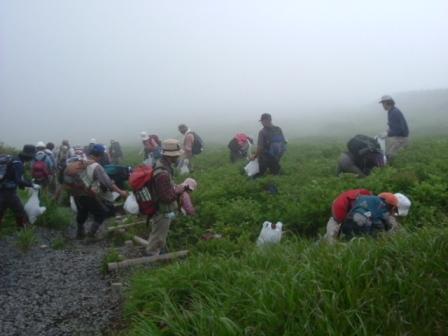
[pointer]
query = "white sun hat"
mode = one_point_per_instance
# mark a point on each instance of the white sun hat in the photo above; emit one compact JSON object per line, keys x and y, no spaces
{"x":404,"y":204}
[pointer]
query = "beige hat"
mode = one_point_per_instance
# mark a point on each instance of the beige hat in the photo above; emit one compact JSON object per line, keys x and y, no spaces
{"x":386,"y":98}
{"x":171,"y":147}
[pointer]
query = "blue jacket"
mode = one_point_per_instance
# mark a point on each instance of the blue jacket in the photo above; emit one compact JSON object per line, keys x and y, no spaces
{"x":398,"y":127}
{"x":14,"y":176}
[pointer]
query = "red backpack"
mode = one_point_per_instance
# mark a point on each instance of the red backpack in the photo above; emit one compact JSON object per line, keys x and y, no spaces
{"x":40,"y":171}
{"x":140,"y":182}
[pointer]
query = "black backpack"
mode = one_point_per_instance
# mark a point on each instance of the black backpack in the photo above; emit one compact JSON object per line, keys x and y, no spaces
{"x":5,"y":161}
{"x":198,"y":144}
{"x":360,"y":145}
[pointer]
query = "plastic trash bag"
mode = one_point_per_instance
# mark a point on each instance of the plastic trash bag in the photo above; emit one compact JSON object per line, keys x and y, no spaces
{"x":252,"y":168}
{"x":270,"y":233}
{"x":73,"y":205}
{"x":131,"y":205}
{"x":33,"y":208}
{"x":183,"y":167}
{"x":382,"y":142}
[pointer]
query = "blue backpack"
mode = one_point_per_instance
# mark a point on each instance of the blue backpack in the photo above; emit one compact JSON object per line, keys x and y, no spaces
{"x":275,"y":142}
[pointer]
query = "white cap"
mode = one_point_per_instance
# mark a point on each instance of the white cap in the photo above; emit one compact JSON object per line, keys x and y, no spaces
{"x":93,"y":141}
{"x":404,"y":204}
{"x":386,"y":98}
{"x":41,"y":144}
{"x":144,"y":135}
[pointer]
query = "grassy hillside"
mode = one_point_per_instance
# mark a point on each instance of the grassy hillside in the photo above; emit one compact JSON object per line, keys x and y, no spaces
{"x":392,"y":285}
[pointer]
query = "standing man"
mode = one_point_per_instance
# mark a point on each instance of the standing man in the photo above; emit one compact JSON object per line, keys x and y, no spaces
{"x":115,"y":152}
{"x":11,"y":177}
{"x":398,"y":132}
{"x":271,"y":146}
{"x":165,"y":194}
{"x":192,"y":144}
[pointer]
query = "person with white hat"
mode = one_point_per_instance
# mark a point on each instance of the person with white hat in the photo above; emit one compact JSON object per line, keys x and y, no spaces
{"x":42,"y":166}
{"x":152,"y":147}
{"x":398,"y":132}
{"x":165,"y":194}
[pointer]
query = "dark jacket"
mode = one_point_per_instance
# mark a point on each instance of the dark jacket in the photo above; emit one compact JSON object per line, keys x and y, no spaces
{"x":398,"y":126}
{"x":14,"y":176}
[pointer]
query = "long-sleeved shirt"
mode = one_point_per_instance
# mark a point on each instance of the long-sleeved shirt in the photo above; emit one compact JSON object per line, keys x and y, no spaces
{"x":398,"y":126}
{"x":14,"y":176}
{"x":163,"y":183}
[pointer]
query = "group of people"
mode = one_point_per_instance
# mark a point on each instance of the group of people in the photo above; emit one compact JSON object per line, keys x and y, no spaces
{"x":94,"y":178}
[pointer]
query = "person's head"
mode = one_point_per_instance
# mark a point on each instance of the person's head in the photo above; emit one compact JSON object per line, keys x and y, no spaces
{"x":97,"y":151}
{"x":50,"y":146}
{"x":41,"y":146}
{"x":65,"y":143}
{"x":266,"y":120}
{"x":79,"y":151}
{"x":183,"y":128}
{"x":390,"y":200}
{"x":27,"y":153}
{"x":387,"y":102}
{"x":92,"y":141}
{"x":171,"y":150}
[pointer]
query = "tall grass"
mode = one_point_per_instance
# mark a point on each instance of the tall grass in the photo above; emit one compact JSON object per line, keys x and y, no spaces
{"x":390,"y":286}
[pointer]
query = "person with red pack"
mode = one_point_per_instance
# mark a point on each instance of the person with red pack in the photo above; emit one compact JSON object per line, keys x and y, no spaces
{"x":340,"y":209}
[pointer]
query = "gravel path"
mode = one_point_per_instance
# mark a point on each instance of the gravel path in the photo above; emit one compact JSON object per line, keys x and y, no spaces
{"x":54,"y":292}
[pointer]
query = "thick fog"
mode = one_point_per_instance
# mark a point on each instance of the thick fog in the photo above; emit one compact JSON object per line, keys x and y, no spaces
{"x":112,"y":68}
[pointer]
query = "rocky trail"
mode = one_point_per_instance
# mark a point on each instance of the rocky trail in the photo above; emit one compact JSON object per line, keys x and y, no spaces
{"x":53,"y":292}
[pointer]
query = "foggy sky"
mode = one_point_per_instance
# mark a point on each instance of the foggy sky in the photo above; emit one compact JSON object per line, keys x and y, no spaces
{"x":107,"y":69}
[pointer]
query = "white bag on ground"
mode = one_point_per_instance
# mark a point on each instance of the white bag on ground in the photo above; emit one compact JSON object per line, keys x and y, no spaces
{"x":183,"y":167}
{"x":131,"y":205}
{"x":33,"y":208}
{"x":252,"y":168}
{"x":73,"y":205}
{"x":270,"y":233}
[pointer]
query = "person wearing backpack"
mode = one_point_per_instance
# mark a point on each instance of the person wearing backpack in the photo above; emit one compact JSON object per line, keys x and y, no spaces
{"x":91,"y":189}
{"x":42,"y":166}
{"x":398,"y":131}
{"x":364,"y":153}
{"x":152,"y":147}
{"x":192,"y":145}
{"x":271,"y":146}
{"x":165,"y":194}
{"x":115,"y":152}
{"x":11,"y":178}
{"x":239,"y":147}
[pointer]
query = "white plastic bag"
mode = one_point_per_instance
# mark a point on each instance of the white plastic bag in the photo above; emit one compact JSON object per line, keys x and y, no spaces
{"x":252,"y":168}
{"x":270,"y":233}
{"x":33,"y":208}
{"x":382,"y":142}
{"x":183,"y":167}
{"x":131,"y":205}
{"x":73,"y":205}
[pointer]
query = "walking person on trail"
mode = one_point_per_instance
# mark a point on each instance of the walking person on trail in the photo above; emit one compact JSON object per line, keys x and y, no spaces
{"x":239,"y":147}
{"x":115,"y":152}
{"x":364,"y":153}
{"x":165,"y":193}
{"x":92,"y":189}
{"x":398,"y":132}
{"x":271,"y":146}
{"x":152,"y":147}
{"x":11,"y":178}
{"x":192,"y":144}
{"x":358,"y":212}
{"x":43,"y":165}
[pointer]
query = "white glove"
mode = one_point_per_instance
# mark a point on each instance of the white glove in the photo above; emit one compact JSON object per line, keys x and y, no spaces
{"x":36,"y":186}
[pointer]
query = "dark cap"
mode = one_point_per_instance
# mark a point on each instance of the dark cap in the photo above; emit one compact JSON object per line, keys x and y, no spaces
{"x":266,"y":116}
{"x":97,"y":150}
{"x":28,"y":152}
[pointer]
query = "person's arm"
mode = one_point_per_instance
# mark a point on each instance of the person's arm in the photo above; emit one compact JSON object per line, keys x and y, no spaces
{"x":164,"y":189}
{"x":188,"y":145}
{"x":18,"y":176}
{"x":101,"y":176}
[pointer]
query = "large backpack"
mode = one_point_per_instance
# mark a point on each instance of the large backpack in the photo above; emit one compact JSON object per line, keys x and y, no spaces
{"x":40,"y":170}
{"x":360,"y":145}
{"x":275,"y":142}
{"x":140,"y":181}
{"x":5,"y":161}
{"x":198,"y":144}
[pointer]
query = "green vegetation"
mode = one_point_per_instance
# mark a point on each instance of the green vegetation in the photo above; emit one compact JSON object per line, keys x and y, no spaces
{"x":391,"y":285}
{"x":111,"y":255}
{"x":58,"y":244}
{"x":26,"y":238}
